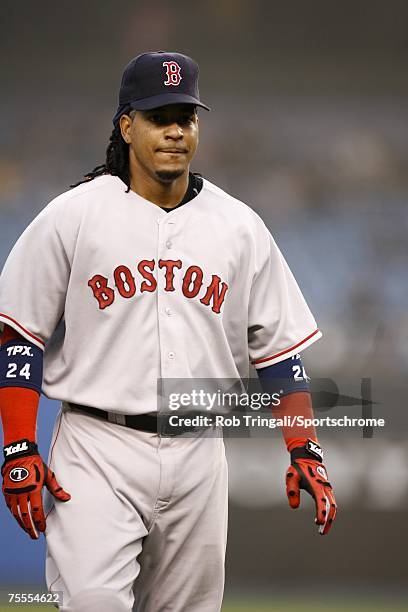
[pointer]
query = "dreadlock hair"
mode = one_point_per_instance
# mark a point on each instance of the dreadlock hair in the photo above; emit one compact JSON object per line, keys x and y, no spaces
{"x":116,"y":162}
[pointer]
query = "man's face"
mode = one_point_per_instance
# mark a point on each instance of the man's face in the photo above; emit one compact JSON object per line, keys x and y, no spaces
{"x":162,"y":141}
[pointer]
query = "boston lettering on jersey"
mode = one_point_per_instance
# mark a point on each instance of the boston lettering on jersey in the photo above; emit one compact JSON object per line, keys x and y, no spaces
{"x":212,"y":295}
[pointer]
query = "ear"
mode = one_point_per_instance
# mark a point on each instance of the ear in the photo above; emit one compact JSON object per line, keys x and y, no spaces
{"x":125,"y":124}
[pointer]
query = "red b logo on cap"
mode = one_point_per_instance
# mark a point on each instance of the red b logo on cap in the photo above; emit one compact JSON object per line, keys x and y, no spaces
{"x":172,"y":73}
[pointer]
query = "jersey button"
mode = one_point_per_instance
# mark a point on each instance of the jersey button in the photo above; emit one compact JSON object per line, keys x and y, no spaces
{"x":171,"y":355}
{"x":168,"y":311}
{"x":169,"y":244}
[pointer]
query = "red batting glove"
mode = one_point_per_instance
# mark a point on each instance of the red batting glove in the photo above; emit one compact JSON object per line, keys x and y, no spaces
{"x":24,"y":475}
{"x":308,"y":472}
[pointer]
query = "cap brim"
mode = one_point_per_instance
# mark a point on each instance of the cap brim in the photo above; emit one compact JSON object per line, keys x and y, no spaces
{"x":166,"y":99}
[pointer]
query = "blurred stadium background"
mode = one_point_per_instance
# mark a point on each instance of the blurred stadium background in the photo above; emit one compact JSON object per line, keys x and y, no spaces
{"x":308,"y":126}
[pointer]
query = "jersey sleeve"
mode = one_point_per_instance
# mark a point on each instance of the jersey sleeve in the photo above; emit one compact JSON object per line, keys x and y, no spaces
{"x":34,"y":280}
{"x":280,"y":323}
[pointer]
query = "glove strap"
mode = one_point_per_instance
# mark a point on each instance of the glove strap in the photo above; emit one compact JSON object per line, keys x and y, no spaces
{"x":21,"y":448}
{"x":311,"y":450}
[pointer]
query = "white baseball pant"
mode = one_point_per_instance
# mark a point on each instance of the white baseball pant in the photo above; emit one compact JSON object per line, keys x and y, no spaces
{"x":147,"y":518}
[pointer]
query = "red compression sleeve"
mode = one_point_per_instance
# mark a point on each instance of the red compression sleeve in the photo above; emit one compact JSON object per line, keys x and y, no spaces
{"x":7,"y":334}
{"x":297,"y":404}
{"x":18,"y":405}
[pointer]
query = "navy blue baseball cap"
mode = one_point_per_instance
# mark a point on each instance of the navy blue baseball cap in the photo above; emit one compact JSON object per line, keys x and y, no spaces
{"x":156,"y":79}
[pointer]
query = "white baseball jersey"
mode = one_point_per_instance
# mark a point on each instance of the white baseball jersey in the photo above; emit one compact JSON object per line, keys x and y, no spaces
{"x":120,"y":293}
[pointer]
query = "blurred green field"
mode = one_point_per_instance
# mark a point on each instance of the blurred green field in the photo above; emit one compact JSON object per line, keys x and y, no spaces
{"x":298,"y":606}
{"x":279,"y":605}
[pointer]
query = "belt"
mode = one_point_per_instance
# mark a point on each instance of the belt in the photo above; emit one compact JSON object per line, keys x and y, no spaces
{"x":144,"y":422}
{"x":149,"y":422}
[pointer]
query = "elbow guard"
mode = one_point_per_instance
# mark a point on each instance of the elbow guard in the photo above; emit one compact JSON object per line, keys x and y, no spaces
{"x":287,"y":376}
{"x":21,"y":365}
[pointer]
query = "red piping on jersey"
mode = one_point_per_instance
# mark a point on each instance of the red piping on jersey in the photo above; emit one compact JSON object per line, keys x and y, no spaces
{"x":21,"y":327}
{"x":286,"y":350}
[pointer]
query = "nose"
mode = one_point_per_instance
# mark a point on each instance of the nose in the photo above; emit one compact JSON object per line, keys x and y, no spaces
{"x":174,"y":131}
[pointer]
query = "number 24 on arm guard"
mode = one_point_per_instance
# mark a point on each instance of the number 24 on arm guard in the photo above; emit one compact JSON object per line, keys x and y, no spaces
{"x":21,"y":365}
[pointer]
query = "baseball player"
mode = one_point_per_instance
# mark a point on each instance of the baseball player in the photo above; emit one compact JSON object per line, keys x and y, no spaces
{"x":143,"y":271}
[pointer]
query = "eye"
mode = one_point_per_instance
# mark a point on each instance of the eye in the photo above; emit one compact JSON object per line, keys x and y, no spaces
{"x":157,"y":119}
{"x":186,"y":119}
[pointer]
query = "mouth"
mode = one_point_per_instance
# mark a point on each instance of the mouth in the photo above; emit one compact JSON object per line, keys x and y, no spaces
{"x":173,"y":151}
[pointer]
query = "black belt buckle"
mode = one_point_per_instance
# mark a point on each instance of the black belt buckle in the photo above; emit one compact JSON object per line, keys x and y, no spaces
{"x":143,"y":422}
{"x":165,"y":429}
